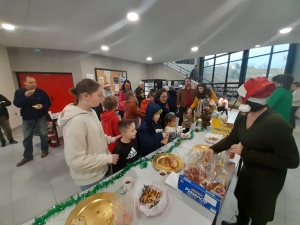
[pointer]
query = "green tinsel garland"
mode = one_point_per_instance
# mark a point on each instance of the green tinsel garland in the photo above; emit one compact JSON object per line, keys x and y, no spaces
{"x":142,"y":162}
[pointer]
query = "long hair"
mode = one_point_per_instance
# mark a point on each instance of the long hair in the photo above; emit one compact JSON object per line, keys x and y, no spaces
{"x":123,"y":85}
{"x":206,"y":92}
{"x":157,"y":95}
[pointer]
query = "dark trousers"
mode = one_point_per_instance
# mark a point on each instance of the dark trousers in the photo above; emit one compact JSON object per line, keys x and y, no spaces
{"x":4,"y":124}
{"x":121,"y":113}
{"x":28,"y":129}
{"x":244,"y":218}
{"x":181,"y":111}
{"x":222,"y":109}
{"x":293,"y":116}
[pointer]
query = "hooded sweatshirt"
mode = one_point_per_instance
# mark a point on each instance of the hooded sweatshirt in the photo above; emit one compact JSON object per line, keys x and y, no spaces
{"x":150,"y":133}
{"x":110,"y":122}
{"x":86,"y":149}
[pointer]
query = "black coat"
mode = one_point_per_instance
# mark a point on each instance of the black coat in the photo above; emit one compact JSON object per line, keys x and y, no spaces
{"x":4,"y":103}
{"x":138,"y":91}
{"x":172,"y":101}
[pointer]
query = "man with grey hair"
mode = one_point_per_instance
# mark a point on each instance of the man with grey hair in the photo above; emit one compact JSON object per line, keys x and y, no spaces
{"x":140,"y":92}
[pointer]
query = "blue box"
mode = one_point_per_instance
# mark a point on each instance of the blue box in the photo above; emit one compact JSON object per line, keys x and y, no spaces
{"x":206,"y":198}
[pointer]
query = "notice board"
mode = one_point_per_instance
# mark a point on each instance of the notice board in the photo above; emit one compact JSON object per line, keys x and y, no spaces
{"x":116,"y":78}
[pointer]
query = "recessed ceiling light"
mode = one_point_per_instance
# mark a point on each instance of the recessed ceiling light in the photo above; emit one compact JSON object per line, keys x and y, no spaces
{"x":104,"y":48}
{"x":256,"y":46}
{"x":132,"y":16}
{"x":285,"y":30}
{"x":194,"y":49}
{"x":149,"y":59}
{"x":7,"y":26}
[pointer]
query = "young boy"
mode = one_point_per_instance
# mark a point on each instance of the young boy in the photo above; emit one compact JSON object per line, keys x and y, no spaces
{"x":145,"y":102}
{"x":110,"y":119}
{"x":150,"y":133}
{"x":132,"y":112}
{"x":127,"y":146}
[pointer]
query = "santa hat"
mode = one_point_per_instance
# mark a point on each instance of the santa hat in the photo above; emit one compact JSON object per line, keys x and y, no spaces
{"x":256,"y":90}
{"x":106,"y":84}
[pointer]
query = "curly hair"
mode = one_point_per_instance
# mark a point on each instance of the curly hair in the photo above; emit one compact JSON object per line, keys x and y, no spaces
{"x":110,"y":102}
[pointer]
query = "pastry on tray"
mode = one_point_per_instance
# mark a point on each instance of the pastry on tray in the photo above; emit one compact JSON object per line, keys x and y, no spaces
{"x":78,"y":221}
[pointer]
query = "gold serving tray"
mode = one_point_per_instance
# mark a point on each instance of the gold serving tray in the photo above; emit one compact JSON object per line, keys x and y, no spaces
{"x":200,"y":147}
{"x":158,"y":162}
{"x":96,"y":209}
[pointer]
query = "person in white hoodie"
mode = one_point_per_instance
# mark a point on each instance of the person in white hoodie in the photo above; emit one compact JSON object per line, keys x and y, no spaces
{"x":85,"y":143}
{"x":295,"y":103}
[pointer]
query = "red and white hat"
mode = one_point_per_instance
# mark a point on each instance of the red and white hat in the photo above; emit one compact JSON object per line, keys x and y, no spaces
{"x":256,"y":90}
{"x":106,"y":84}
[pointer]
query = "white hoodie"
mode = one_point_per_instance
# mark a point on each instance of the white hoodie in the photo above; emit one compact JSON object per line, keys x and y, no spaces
{"x":296,"y":97}
{"x":85,"y":144}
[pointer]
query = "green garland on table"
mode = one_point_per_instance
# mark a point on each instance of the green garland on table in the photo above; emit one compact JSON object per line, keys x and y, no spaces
{"x":142,"y":162}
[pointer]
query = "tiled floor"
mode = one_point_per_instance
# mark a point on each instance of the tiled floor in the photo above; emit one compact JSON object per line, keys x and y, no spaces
{"x":29,"y":190}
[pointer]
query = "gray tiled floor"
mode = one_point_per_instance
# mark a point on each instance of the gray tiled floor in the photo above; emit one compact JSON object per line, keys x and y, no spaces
{"x":29,"y":190}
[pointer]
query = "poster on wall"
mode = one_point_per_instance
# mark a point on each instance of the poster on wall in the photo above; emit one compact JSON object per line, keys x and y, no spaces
{"x":115,"y":77}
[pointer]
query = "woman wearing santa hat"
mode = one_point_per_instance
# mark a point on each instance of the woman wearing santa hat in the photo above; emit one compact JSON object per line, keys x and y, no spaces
{"x":107,"y":90}
{"x":267,"y":147}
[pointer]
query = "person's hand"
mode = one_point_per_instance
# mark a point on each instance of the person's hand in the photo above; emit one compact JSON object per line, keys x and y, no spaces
{"x":115,"y":158}
{"x":29,"y":93}
{"x":39,"y":106}
{"x":237,"y":149}
{"x":185,"y":135}
{"x":209,"y":153}
{"x":117,"y":137}
{"x":165,"y":135}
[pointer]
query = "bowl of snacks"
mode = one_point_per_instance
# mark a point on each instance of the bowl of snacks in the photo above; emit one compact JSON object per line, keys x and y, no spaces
{"x":212,"y":138}
{"x":152,"y":200}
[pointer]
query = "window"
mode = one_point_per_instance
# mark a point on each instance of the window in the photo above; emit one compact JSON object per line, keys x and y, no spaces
{"x":220,"y":73}
{"x":236,"y":56}
{"x":222,"y":59}
{"x":209,"y":62}
{"x":207,"y":74}
{"x":278,"y":63}
{"x":209,"y":56}
{"x":279,"y":48}
{"x":257,"y":67}
{"x":186,"y":61}
{"x":234,"y":71}
{"x":259,"y":51}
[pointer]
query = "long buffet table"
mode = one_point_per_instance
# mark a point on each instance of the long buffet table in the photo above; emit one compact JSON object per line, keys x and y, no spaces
{"x":180,"y":210}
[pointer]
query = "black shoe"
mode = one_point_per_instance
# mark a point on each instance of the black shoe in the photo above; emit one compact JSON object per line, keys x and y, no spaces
{"x":231,"y":223}
{"x":12,"y":141}
{"x":3,"y":143}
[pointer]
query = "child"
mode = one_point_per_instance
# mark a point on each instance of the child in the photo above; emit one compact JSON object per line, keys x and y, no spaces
{"x":145,"y":102}
{"x":188,"y":119}
{"x":131,"y":110}
{"x":150,"y":133}
{"x":127,"y":146}
{"x":86,"y":149}
{"x":170,"y":121}
{"x":110,"y":119}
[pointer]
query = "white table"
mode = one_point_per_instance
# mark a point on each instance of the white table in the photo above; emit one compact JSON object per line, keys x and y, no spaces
{"x":180,"y":210}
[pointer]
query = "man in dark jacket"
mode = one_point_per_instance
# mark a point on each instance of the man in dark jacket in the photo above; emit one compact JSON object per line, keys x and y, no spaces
{"x":34,"y":104}
{"x":150,"y":133}
{"x":4,"y":122}
{"x":195,"y":74}
{"x":140,"y":92}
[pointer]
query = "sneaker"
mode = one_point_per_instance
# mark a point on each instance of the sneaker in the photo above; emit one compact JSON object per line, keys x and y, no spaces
{"x":3,"y":143}
{"x":12,"y":141}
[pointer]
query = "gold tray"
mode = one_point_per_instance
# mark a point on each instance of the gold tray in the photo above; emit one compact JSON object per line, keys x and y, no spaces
{"x":96,"y":209}
{"x":201,"y":147}
{"x":158,"y":162}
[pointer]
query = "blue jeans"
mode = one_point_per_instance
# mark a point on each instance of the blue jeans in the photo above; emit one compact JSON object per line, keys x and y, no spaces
{"x":85,"y":187}
{"x":28,"y":130}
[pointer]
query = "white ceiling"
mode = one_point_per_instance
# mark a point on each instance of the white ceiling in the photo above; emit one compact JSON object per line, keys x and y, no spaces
{"x":166,"y":31}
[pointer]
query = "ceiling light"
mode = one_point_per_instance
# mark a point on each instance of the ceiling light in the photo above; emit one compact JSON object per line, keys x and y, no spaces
{"x":149,"y":59}
{"x":104,"y":48}
{"x":285,"y":30}
{"x":194,"y":49}
{"x":256,"y":46}
{"x":8,"y":26}
{"x":132,"y":16}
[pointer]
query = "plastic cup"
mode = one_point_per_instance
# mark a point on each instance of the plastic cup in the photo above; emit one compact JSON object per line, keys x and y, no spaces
{"x":128,"y":182}
{"x":162,"y":174}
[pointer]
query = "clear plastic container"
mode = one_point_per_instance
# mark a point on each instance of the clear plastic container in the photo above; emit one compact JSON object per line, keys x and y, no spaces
{"x":123,"y":206}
